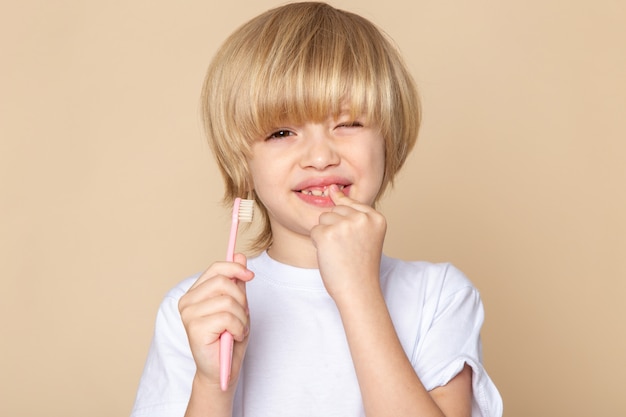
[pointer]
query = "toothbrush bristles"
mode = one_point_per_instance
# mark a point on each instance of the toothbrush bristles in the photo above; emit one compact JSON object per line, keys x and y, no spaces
{"x":246,"y":210}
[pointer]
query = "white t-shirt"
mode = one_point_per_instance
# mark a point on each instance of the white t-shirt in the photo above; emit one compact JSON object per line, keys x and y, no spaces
{"x":298,"y":363}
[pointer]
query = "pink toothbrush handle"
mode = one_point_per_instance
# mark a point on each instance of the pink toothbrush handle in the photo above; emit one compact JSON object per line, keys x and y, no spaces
{"x":226,"y":359}
{"x":226,"y":339}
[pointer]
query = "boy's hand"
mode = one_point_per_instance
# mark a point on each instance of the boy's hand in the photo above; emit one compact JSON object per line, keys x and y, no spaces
{"x":349,"y":241}
{"x":217,"y":302}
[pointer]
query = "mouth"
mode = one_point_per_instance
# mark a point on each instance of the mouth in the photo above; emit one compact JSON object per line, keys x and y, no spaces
{"x":319,"y":191}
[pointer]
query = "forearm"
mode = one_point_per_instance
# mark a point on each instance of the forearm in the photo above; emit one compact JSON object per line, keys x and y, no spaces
{"x":207,"y":400}
{"x":388,"y":382}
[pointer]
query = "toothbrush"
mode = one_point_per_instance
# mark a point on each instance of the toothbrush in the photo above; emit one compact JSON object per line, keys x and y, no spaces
{"x":242,"y":212}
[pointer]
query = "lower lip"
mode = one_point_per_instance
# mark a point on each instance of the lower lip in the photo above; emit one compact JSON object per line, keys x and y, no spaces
{"x":319,"y":201}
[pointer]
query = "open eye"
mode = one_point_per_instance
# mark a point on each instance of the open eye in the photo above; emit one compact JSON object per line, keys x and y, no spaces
{"x":280,"y":134}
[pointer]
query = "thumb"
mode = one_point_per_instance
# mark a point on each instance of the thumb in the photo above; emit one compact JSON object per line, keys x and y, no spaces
{"x":241,"y":259}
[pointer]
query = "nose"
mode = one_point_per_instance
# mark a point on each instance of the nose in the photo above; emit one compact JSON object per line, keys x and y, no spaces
{"x":320,"y":150}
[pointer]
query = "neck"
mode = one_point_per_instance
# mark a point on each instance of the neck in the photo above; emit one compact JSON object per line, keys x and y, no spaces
{"x":299,"y":252}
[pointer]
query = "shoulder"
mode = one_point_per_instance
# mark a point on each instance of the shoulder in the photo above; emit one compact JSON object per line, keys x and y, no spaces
{"x":181,"y":287}
{"x":443,"y":278}
{"x":168,"y":314}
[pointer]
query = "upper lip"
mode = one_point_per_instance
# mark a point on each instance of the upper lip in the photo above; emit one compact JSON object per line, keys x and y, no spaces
{"x":321,"y":182}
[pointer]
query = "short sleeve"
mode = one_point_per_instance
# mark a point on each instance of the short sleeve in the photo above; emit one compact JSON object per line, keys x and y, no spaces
{"x":165,"y":384}
{"x":452,"y":339}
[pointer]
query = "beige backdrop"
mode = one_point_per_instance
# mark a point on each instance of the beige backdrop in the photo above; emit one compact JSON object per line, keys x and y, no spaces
{"x":109,"y":195}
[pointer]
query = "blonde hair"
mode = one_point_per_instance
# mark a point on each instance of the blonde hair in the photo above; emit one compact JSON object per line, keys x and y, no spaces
{"x":303,"y":62}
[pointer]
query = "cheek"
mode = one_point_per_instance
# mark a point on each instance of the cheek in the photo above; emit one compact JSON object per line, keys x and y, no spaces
{"x":377,"y":160}
{"x":377,"y":167}
{"x":264,"y":176}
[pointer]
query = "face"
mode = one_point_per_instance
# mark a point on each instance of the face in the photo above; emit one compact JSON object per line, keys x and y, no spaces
{"x":293,"y":166}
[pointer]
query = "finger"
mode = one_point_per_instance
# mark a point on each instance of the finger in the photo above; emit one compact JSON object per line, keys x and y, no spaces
{"x":241,"y":259}
{"x":224,"y":312}
{"x":331,"y":217}
{"x":229,"y":269}
{"x":235,"y":319}
{"x":218,"y":306}
{"x":340,"y":199}
{"x":207,"y":329}
{"x":337,"y":196}
{"x":212,"y":288}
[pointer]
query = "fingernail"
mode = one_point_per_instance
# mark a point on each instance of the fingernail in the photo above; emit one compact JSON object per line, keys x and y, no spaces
{"x":333,"y":189}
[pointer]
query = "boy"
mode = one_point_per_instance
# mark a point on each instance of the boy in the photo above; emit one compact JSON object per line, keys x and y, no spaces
{"x":311,"y":112}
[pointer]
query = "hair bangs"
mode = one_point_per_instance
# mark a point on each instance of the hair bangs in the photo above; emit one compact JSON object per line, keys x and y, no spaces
{"x":312,"y":69}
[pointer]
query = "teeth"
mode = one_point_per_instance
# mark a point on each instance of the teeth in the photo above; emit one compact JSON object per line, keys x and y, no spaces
{"x":319,"y":192}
